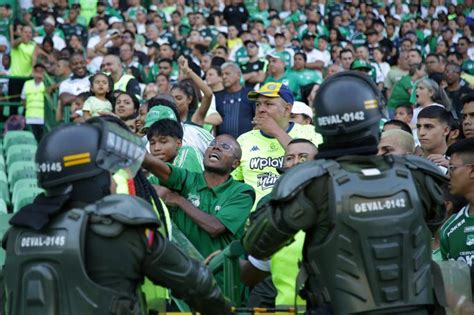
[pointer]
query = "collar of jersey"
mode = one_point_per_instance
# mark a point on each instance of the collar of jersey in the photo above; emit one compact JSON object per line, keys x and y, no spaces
{"x":290,"y":126}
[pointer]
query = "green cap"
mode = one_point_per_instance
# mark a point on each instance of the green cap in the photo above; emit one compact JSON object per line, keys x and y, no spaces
{"x":360,"y":64}
{"x":157,"y":113}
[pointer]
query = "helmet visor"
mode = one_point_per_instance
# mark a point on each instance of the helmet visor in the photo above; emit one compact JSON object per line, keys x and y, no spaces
{"x":120,"y":149}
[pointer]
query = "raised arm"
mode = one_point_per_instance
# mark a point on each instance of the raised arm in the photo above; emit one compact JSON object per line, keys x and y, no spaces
{"x":200,"y":115}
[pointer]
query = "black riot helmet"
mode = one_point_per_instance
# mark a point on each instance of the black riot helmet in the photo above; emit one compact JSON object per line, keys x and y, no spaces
{"x":87,"y":154}
{"x":348,"y":109}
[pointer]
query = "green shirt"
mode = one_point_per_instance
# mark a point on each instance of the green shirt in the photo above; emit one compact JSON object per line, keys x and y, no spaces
{"x":5,"y":27}
{"x":306,"y":76}
{"x":230,"y":202}
{"x":22,"y":59}
{"x":289,"y":80}
{"x":401,"y":92}
{"x":468,"y":66}
{"x":241,"y":56}
{"x":457,"y":237}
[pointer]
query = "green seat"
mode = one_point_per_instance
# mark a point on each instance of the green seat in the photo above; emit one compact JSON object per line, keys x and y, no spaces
{"x":24,"y":197}
{"x":21,"y":152}
{"x":4,"y":226}
{"x":3,"y":207}
{"x":24,"y":183}
{"x":4,"y":192}
{"x":18,"y":137}
{"x":20,"y":170}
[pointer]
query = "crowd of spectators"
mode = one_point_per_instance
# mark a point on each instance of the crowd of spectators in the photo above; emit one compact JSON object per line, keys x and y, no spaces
{"x":180,"y":73}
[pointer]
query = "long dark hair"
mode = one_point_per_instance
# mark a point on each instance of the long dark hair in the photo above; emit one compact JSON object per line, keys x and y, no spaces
{"x":188,"y":89}
{"x":136,"y":102}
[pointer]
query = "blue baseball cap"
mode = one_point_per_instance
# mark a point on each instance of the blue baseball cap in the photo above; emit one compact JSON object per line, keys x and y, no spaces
{"x":273,"y":89}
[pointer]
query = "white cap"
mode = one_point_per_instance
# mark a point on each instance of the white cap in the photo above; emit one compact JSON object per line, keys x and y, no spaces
{"x":114,"y":19}
{"x":302,"y":108}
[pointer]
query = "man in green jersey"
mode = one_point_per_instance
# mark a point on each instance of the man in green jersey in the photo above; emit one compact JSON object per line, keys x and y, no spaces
{"x":209,"y":207}
{"x":264,"y":147}
{"x":457,"y":234}
{"x":303,"y":75}
{"x":277,"y":73}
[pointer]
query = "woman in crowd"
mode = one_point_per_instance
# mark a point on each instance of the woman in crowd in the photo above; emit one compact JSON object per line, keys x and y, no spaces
{"x":429,"y":93}
{"x":125,"y":105}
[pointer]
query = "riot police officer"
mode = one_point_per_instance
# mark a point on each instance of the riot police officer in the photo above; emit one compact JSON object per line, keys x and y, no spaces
{"x":367,"y":248}
{"x":78,"y":249}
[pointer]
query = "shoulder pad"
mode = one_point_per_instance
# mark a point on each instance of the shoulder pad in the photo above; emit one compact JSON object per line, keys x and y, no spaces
{"x":125,"y":209}
{"x":420,"y":163}
{"x":298,"y":177}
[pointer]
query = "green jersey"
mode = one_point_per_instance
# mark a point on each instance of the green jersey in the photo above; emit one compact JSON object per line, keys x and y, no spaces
{"x":457,"y":237}
{"x":401,"y":92}
{"x":5,"y":27}
{"x":241,"y":56}
{"x":262,"y":155}
{"x":229,"y":202}
{"x":289,"y":80}
{"x":132,"y":12}
{"x":468,"y":66}
{"x":306,"y":76}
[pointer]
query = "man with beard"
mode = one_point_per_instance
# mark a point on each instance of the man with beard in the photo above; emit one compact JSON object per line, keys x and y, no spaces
{"x":209,"y":207}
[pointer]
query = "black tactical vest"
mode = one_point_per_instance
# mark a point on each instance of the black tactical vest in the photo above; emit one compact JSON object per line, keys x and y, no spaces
{"x":377,"y":256}
{"x":44,"y":271}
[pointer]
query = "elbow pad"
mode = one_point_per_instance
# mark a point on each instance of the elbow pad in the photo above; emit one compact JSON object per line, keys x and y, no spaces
{"x":264,"y":236}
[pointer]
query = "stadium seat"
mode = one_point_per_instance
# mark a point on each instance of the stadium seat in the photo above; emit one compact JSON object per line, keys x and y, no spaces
{"x":20,"y":170}
{"x":4,"y":226}
{"x":24,"y":183}
{"x":21,"y":152}
{"x":2,"y":164}
{"x":17,"y":137}
{"x":3,"y":207}
{"x":25,"y":196}
{"x":4,"y":192}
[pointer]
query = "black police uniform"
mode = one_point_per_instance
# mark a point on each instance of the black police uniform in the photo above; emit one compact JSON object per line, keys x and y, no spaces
{"x":74,"y":251}
{"x":368,"y":247}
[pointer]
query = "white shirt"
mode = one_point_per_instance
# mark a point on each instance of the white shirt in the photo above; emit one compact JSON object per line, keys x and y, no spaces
{"x":314,"y":55}
{"x":75,"y":86}
{"x":381,"y":71}
{"x":196,"y":136}
{"x":94,"y":40}
{"x":263,"y":265}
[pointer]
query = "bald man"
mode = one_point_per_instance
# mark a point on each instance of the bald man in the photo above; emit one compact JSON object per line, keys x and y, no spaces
{"x":112,"y":65}
{"x":396,"y":142}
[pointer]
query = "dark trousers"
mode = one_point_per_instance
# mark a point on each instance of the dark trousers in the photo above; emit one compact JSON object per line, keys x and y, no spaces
{"x":38,"y":131}
{"x":15,"y":86}
{"x":263,"y":294}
